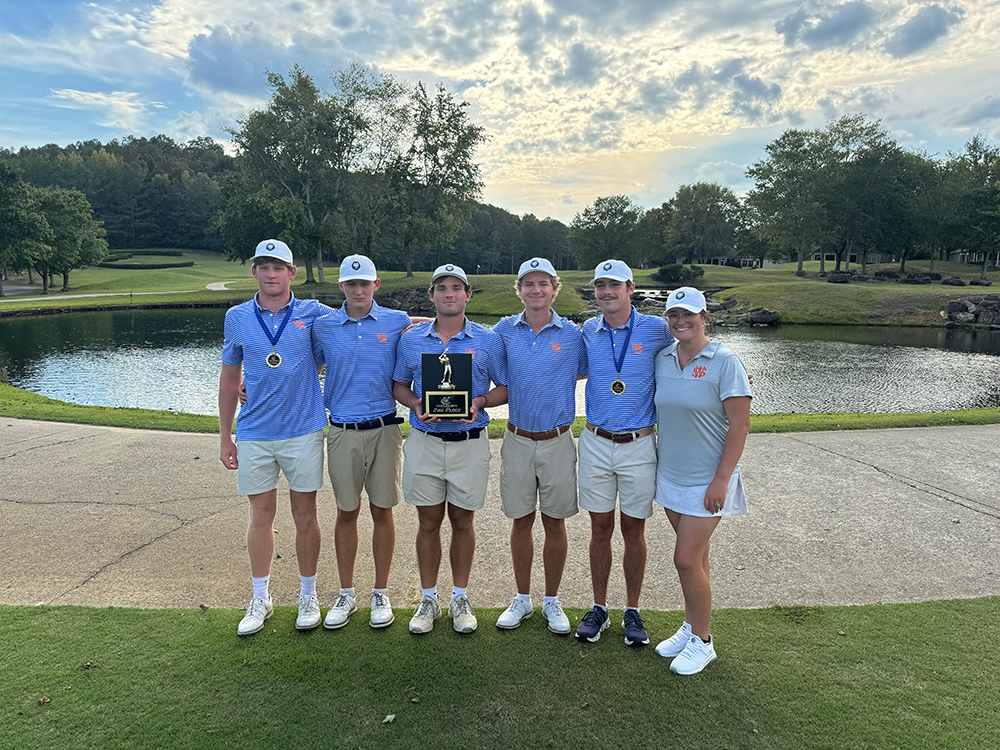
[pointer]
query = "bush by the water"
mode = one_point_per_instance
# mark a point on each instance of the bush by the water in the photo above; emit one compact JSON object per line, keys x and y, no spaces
{"x":148,"y":266}
{"x":678,"y":273}
{"x":173,"y":253}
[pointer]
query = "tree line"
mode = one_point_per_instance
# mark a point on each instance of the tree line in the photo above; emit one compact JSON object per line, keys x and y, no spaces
{"x":378,"y":167}
{"x":845,"y":191}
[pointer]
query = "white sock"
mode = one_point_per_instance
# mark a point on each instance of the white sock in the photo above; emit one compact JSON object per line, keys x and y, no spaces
{"x":548,"y":599}
{"x":523,"y":597}
{"x":431,"y":592}
{"x":635,"y":609}
{"x":260,"y":586}
{"x":383,"y":592}
{"x":349,"y":592}
{"x":307,"y":585}
{"x":456,"y":591}
{"x":602,"y":606}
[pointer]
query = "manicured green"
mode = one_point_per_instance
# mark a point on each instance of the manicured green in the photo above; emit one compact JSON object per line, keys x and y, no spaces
{"x":915,"y":676}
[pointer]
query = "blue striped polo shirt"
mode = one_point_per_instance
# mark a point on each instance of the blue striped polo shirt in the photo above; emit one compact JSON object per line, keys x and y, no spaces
{"x":360,"y":356}
{"x":285,"y":401}
{"x":474,"y":339}
{"x":633,"y":409}
{"x":539,"y":370}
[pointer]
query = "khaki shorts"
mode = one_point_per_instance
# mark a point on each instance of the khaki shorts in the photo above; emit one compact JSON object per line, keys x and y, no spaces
{"x":625,"y":470}
{"x":300,"y":458}
{"x":436,"y":471}
{"x":364,"y":458}
{"x":542,"y":468}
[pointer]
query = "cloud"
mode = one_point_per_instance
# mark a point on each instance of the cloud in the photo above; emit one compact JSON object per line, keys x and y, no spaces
{"x":236,"y":61}
{"x":584,"y":66}
{"x":826,"y":26}
{"x":928,"y":25}
{"x":753,"y":99}
{"x":983,"y":111}
{"x":463,"y":32}
{"x":871,"y":100}
{"x":657,"y":97}
{"x":123,"y":110}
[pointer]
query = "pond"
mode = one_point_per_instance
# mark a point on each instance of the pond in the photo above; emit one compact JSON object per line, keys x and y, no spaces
{"x":169,"y":359}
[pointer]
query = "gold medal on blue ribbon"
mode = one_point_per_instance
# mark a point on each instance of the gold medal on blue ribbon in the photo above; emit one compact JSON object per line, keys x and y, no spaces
{"x":273,"y":359}
{"x":618,"y":387}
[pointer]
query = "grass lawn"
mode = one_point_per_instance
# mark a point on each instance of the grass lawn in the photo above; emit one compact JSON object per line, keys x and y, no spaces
{"x":21,"y":404}
{"x":881,"y":676}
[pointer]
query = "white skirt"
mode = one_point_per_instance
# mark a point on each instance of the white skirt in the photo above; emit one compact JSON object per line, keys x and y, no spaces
{"x":690,"y":501}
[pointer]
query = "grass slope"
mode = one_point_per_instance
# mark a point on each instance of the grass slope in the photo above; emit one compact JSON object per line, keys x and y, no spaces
{"x":21,"y":404}
{"x":872,"y":677}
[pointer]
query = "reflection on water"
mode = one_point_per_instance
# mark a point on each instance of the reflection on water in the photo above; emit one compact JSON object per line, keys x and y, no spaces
{"x":170,"y":360}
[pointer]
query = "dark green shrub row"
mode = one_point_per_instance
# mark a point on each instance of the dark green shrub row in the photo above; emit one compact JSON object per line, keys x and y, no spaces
{"x":173,"y":253}
{"x":147,"y":266}
{"x":117,"y":256}
{"x":678,"y":273}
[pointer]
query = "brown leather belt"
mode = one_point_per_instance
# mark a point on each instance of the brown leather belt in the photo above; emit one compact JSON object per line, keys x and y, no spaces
{"x":620,"y":437}
{"x":546,"y":435}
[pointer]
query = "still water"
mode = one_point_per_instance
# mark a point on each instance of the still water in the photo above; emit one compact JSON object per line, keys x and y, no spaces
{"x":169,"y":359}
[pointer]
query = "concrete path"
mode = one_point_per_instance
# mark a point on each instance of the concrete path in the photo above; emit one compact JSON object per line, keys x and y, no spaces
{"x":83,"y":296}
{"x":114,"y":517}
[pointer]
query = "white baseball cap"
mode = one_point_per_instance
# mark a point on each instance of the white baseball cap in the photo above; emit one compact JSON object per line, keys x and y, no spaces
{"x":687,"y":298}
{"x":274,"y":249}
{"x":357,"y":267}
{"x":536,"y":264}
{"x":612,"y":269}
{"x":449,"y":269}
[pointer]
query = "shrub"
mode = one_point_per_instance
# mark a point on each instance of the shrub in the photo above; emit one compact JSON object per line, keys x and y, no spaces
{"x":147,"y":266}
{"x":173,"y":253}
{"x":677,"y":273}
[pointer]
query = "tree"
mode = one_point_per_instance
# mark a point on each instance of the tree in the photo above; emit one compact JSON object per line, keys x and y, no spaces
{"x":604,"y":230}
{"x":788,"y":192}
{"x":977,"y":173}
{"x":436,"y":181}
{"x":23,"y":228}
{"x":77,"y":240}
{"x":703,"y":221}
{"x":300,"y":149}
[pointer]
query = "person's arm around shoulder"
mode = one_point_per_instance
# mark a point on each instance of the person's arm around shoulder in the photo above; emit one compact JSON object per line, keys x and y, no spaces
{"x":229,"y":390}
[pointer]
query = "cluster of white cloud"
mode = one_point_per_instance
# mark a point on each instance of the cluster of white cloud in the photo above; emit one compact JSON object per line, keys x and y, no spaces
{"x":557,"y":83}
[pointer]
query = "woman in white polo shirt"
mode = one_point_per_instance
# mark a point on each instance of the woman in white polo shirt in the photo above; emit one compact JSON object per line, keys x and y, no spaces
{"x":703,"y":416}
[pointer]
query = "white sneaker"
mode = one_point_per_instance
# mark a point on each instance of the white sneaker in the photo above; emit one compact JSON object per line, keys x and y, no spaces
{"x":340,"y":613}
{"x":675,"y":643}
{"x":309,"y":616}
{"x":463,"y":619}
{"x":381,"y":616}
{"x":518,"y":610}
{"x":695,"y":657}
{"x":427,"y":612}
{"x":557,"y":619}
{"x":258,"y":611}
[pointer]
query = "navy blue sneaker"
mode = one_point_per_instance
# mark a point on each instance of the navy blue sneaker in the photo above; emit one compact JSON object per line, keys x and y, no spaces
{"x":592,"y":624}
{"x":635,"y":629}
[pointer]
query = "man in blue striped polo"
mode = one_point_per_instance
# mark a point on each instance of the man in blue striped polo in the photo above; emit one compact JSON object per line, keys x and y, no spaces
{"x":446,"y":463}
{"x":538,"y":356}
{"x":618,"y":447}
{"x":358,"y":344}
{"x":280,"y":428}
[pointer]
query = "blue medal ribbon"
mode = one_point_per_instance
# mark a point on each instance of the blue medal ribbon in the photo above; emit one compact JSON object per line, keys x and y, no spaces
{"x":619,"y":359}
{"x":260,"y":319}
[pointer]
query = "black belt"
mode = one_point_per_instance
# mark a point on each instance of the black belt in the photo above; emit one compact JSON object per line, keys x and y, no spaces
{"x":369,"y":424}
{"x":454,"y":437}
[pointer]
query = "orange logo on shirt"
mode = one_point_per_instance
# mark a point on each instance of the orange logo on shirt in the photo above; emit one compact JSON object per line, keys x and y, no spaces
{"x":470,"y":350}
{"x":698,"y":372}
{"x":556,"y":348}
{"x":300,"y":325}
{"x":637,"y":348}
{"x":383,"y":338}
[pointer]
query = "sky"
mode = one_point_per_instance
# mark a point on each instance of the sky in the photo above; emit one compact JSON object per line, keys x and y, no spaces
{"x":579,"y":98}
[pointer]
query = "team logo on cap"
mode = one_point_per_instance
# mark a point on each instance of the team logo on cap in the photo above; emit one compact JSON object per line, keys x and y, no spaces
{"x":680,"y":295}
{"x":270,"y":246}
{"x":449,"y":268}
{"x":356,"y":265}
{"x":607,"y":266}
{"x":534,"y":264}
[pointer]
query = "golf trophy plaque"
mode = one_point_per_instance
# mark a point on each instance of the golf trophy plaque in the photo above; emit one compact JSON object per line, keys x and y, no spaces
{"x":446,"y":381}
